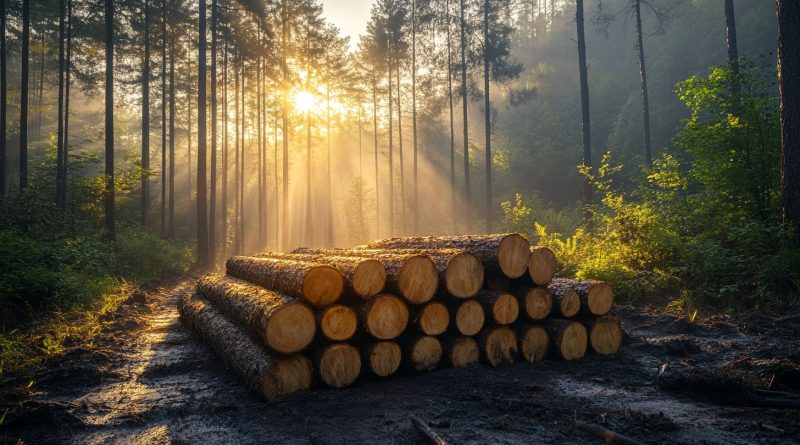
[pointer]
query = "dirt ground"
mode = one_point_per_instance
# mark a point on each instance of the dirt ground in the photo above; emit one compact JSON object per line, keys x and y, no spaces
{"x":148,"y":381}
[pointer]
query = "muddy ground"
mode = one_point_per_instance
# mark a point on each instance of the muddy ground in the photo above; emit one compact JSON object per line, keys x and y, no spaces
{"x":147,"y":380}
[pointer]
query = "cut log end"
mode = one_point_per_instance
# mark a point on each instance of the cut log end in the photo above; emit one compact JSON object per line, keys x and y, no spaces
{"x":605,"y":335}
{"x":513,"y":255}
{"x":569,"y":304}
{"x":338,"y":322}
{"x":570,"y":338}
{"x":339,"y":364}
{"x":542,"y":265}
{"x":287,"y":375}
{"x":418,"y":279}
{"x":464,"y":275}
{"x":470,"y":317}
{"x":498,"y":346}
{"x":433,"y":318}
{"x":383,"y":358}
{"x":600,"y":298}
{"x":385,"y":317}
{"x":291,"y":328}
{"x":424,"y":353}
{"x":533,"y":343}
{"x":537,"y":303}
{"x":323,"y":285}
{"x":463,"y":352}
{"x":505,"y":309}
{"x":369,"y":278}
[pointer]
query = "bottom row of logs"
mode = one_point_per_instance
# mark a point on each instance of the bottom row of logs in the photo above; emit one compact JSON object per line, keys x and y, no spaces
{"x":339,"y":364}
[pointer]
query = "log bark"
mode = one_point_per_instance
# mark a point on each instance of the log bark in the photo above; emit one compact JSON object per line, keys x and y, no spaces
{"x":542,"y":265}
{"x":460,"y":272}
{"x":384,"y":316}
{"x":596,"y":297}
{"x":423,"y":352}
{"x":536,"y":302}
{"x":568,"y":338}
{"x":605,"y":334}
{"x":501,"y":307}
{"x":414,"y":277}
{"x":364,"y":277}
{"x":498,"y":345}
{"x":272,"y":375}
{"x":338,"y":364}
{"x":318,"y":284}
{"x":566,"y":301}
{"x":280,"y":322}
{"x":468,"y":317}
{"x":533,"y":342}
{"x":383,"y":358}
{"x":432,"y":318}
{"x":508,"y":253}
{"x":496,"y":281}
{"x":337,"y":322}
{"x":460,"y":351}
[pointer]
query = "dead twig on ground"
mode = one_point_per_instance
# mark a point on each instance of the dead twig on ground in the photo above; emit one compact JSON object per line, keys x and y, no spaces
{"x":430,"y":435}
{"x":607,"y":435}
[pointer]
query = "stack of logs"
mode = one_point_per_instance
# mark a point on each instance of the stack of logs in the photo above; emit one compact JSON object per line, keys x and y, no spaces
{"x":280,"y":320}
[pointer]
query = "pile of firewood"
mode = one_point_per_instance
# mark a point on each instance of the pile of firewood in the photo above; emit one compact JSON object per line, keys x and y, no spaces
{"x":280,"y":320}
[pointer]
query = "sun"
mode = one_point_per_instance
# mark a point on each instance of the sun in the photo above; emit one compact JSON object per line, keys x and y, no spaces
{"x":303,"y":101}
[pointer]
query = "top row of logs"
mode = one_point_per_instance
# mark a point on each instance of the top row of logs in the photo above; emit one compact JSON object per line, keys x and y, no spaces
{"x":412,"y":267}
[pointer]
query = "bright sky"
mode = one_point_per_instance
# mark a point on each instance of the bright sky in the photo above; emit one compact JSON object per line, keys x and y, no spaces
{"x":350,"y":16}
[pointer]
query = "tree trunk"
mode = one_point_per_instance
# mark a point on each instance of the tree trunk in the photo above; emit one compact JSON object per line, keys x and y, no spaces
{"x":109,"y":120}
{"x":468,"y":317}
{"x":337,"y":322}
{"x":4,"y":99}
{"x":568,"y":338}
{"x":383,"y":316}
{"x":500,"y":307}
{"x":338,"y":364}
{"x":461,"y":351}
{"x":67,"y":81}
{"x":536,"y":302}
{"x":164,"y":118}
{"x":498,"y":345}
{"x":463,"y":44}
{"x":648,"y":155}
{"x":375,"y":152}
{"x":432,"y":318}
{"x":364,"y":277}
{"x":212,"y":204}
{"x":584,"y":81}
{"x":318,"y":284}
{"x":391,"y":148}
{"x":237,"y":172}
{"x":414,"y":108}
{"x":23,"y":98}
{"x":403,"y":220}
{"x":508,"y":253}
{"x":202,"y":210}
{"x":383,"y":358}
{"x":789,"y":91}
{"x":452,"y":128}
{"x":225,"y":153}
{"x":272,"y":375}
{"x":282,"y":323}
{"x":533,"y":342}
{"x":596,"y":297}
{"x":240,"y":232}
{"x":146,"y":116}
{"x":260,"y":148}
{"x":605,"y":334}
{"x":40,"y":79}
{"x":733,"y":50}
{"x":285,"y":123}
{"x":423,"y":353}
{"x":171,"y":227}
{"x":487,"y":116}
{"x":62,"y":12}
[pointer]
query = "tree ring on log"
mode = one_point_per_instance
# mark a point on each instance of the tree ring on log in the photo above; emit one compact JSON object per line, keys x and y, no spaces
{"x":569,"y":304}
{"x":600,"y":298}
{"x":537,"y":303}
{"x":425,"y":353}
{"x":385,"y":317}
{"x":499,"y":345}
{"x":289,"y":374}
{"x":533,"y":343}
{"x":605,"y":335}
{"x":470,"y":317}
{"x":339,"y":364}
{"x":323,"y":285}
{"x":513,"y":255}
{"x":338,"y":322}
{"x":464,"y":352}
{"x":572,"y":341}
{"x":505,"y":309}
{"x":418,"y":279}
{"x":542,"y":265}
{"x":433,"y":318}
{"x":463,"y":275}
{"x":283,"y":333}
{"x":369,"y":278}
{"x":384,"y":358}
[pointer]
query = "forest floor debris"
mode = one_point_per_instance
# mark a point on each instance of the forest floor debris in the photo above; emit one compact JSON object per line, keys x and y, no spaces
{"x":146,"y":379}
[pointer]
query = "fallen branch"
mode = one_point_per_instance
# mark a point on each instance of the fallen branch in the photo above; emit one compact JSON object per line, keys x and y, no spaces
{"x":607,"y":435}
{"x":430,"y":435}
{"x":786,"y":318}
{"x":771,"y":428}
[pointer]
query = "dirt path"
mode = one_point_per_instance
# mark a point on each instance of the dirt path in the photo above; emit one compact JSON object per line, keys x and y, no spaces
{"x":149,"y":381}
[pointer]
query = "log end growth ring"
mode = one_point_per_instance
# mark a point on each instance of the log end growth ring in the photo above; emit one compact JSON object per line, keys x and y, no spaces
{"x":513,"y":255}
{"x":601,"y":298}
{"x":605,"y":336}
{"x":386,"y":317}
{"x":323,"y":285}
{"x":434,"y":318}
{"x":470,"y":318}
{"x":542,"y":265}
{"x":369,"y":278}
{"x":570,"y":303}
{"x":500,"y":346}
{"x":464,"y":275}
{"x":287,"y":375}
{"x":538,"y":303}
{"x":339,"y":322}
{"x":291,"y":328}
{"x":384,"y":358}
{"x":465,"y":352}
{"x":533,"y":344}
{"x":573,"y":341}
{"x":506,"y":309}
{"x":426,"y":353}
{"x":418,"y":279}
{"x":339,"y":365}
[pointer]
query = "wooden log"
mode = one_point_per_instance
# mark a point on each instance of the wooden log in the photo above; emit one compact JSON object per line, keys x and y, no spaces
{"x":500,"y":307}
{"x":412,"y":276}
{"x":318,"y":284}
{"x":430,"y":435}
{"x":498,"y":345}
{"x":566,"y":302}
{"x":542,"y":265}
{"x":384,"y":316}
{"x":605,"y":434}
{"x":508,"y":253}
{"x":533,"y":342}
{"x":568,"y":338}
{"x":460,"y":351}
{"x":383,"y":358}
{"x":596,"y":297}
{"x":280,"y":322}
{"x":605,"y":334}
{"x":536,"y":302}
{"x":272,"y":375}
{"x":468,"y":317}
{"x":496,"y":281}
{"x":337,"y":322}
{"x":338,"y":364}
{"x":423,"y":352}
{"x":433,"y":318}
{"x":363,"y":277}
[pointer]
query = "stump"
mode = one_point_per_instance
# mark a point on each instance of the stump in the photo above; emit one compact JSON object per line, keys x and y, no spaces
{"x":337,"y":364}
{"x":542,"y":265}
{"x":568,"y":338}
{"x":461,"y":351}
{"x":272,"y":375}
{"x":469,"y":317}
{"x":566,"y":301}
{"x":605,"y":334}
{"x":498,"y":345}
{"x":536,"y":302}
{"x":596,"y":297}
{"x":337,"y":322}
{"x":533,"y":342}
{"x":501,"y":307}
{"x":432,"y":318}
{"x":318,"y":284}
{"x":280,"y":322}
{"x":423,"y":352}
{"x":384,"y":316}
{"x":383,"y":358}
